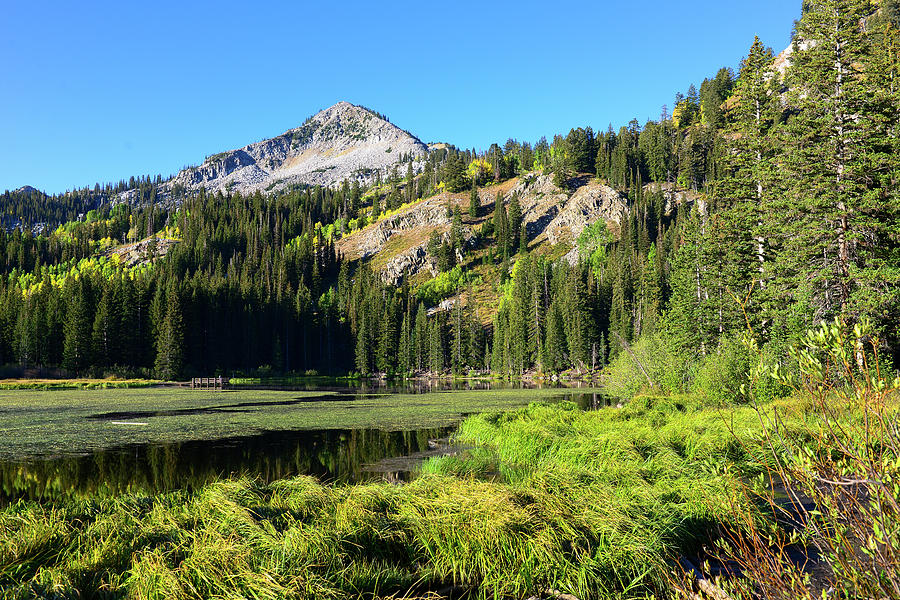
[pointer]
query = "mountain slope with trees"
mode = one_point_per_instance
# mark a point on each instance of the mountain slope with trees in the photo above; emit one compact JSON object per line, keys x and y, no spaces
{"x":766,"y":199}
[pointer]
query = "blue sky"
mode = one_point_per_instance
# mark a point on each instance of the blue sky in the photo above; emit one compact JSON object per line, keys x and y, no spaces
{"x":100,"y":91}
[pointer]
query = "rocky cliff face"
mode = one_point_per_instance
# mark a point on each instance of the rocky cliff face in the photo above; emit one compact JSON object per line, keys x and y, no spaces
{"x":560,"y":216}
{"x":396,"y":245}
{"x":341,"y":142}
{"x":675,"y":196}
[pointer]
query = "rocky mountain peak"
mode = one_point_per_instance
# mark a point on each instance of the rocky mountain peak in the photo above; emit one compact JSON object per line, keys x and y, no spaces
{"x":343,"y":141}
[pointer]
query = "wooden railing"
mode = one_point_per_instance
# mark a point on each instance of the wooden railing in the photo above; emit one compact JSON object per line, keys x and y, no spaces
{"x":208,"y":383}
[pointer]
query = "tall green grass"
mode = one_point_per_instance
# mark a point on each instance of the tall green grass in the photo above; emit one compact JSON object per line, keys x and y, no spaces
{"x":75,"y":384}
{"x":629,"y":488}
{"x":551,"y":498}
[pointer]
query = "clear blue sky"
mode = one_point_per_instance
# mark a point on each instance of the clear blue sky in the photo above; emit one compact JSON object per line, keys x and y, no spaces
{"x":99,"y":91}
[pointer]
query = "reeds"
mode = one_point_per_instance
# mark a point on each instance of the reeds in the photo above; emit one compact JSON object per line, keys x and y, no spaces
{"x":551,"y":498}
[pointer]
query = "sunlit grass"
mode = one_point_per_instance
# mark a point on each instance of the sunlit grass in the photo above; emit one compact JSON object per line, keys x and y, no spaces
{"x":589,"y":503}
{"x":75,"y":384}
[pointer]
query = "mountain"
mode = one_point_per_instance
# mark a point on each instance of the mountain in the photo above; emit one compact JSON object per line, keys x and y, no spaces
{"x":342,"y":142}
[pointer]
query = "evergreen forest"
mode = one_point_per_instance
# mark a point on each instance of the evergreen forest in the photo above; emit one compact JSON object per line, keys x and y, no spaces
{"x":792,"y":167}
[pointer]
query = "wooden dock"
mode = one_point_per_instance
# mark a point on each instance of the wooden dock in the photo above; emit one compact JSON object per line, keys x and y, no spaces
{"x":208,"y":383}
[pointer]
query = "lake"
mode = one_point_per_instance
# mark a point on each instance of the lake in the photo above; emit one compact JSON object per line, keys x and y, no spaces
{"x":56,"y":444}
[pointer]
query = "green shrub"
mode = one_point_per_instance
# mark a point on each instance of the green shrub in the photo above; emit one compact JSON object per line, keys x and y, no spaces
{"x":839,"y":466}
{"x":444,"y":285}
{"x":668,"y":370}
{"x":767,"y":389}
{"x":724,"y":374}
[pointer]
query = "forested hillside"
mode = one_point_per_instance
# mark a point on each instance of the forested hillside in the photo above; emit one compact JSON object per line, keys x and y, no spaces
{"x":764,"y":201}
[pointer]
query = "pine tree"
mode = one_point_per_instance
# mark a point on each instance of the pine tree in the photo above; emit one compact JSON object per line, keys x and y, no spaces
{"x":517,"y":333}
{"x":106,"y":330}
{"x":474,"y":203}
{"x":393,"y":199}
{"x":744,"y":194}
{"x":52,"y":327}
{"x":457,"y":243}
{"x":689,"y":320}
{"x":355,"y":196}
{"x":555,"y":345}
{"x":446,"y":257}
{"x":713,"y":93}
{"x":501,"y":223}
{"x":363,"y":348}
{"x":537,"y":313}
{"x":436,"y":346}
{"x":839,"y":202}
{"x":457,"y":361}
{"x":77,"y":329}
{"x":578,"y":327}
{"x":515,"y":224}
{"x":455,"y":174}
{"x":26,"y":333}
{"x":386,"y":353}
{"x":562,"y":170}
{"x":879,"y":250}
{"x":407,"y":344}
{"x":421,"y":337}
{"x":170,"y":340}
{"x":410,"y":183}
{"x":651,"y":294}
{"x":504,"y":268}
{"x":498,"y":353}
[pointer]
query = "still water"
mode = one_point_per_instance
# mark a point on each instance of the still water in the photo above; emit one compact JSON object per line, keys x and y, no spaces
{"x":349,"y":455}
{"x":332,"y":454}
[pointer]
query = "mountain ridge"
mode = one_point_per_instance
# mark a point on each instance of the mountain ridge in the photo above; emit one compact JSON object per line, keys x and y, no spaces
{"x":342,"y":142}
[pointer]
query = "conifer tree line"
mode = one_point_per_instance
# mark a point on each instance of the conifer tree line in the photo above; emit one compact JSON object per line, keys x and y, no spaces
{"x":796,"y":220}
{"x":28,"y":208}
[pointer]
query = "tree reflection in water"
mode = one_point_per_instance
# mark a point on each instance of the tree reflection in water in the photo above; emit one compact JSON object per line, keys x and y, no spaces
{"x":331,"y":455}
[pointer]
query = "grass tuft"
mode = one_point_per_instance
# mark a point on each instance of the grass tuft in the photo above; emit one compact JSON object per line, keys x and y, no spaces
{"x":592,"y":504}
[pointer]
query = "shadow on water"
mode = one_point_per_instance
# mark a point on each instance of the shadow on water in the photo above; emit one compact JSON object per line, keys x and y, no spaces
{"x":228,"y":408}
{"x":332,"y":455}
{"x":587,"y":400}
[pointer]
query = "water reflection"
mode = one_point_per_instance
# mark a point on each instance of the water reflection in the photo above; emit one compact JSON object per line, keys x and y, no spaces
{"x":593,"y":400}
{"x":349,"y":455}
{"x":406,"y":386}
{"x":331,"y":455}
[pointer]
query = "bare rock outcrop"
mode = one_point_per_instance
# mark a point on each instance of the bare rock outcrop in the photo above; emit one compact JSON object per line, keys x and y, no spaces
{"x":783,"y":60}
{"x":540,"y":200}
{"x":676,"y":196}
{"x":409,"y":232}
{"x":427,"y":214}
{"x":588,"y":204}
{"x":144,"y":251}
{"x":398,"y":244}
{"x":414,"y":260}
{"x":561,"y":216}
{"x":407,"y":263}
{"x":342,"y":142}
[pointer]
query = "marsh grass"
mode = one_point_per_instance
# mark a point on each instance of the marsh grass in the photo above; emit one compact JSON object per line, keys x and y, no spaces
{"x":550,"y":497}
{"x":75,"y":384}
{"x":36,"y":422}
{"x":628,"y":489}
